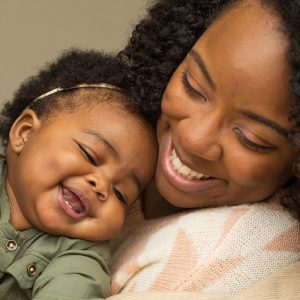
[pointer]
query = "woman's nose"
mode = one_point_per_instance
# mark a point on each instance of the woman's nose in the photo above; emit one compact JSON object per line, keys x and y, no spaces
{"x":201,"y":137}
{"x":100,"y":185}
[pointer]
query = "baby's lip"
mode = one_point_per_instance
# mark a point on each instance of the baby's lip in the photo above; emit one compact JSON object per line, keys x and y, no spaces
{"x":73,"y":202}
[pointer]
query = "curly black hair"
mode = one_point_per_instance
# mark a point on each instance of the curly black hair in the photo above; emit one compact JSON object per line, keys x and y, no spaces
{"x":163,"y":38}
{"x":72,"y":67}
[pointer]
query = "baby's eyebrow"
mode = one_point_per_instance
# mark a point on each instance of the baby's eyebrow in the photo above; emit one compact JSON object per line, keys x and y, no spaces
{"x":103,"y":140}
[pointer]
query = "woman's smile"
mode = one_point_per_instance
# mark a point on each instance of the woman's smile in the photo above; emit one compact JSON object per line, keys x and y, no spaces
{"x":182,"y":176}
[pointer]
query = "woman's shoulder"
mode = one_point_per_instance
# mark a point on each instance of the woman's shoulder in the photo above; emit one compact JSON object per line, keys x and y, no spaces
{"x":266,"y":217}
{"x":281,"y":285}
{"x":209,"y":249}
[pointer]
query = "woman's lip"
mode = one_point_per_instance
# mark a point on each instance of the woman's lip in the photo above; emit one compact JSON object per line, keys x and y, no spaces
{"x":66,"y":208}
{"x":180,"y":182}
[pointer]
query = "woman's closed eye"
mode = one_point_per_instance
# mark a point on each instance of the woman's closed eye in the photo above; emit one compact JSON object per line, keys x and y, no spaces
{"x":120,"y":196}
{"x":87,"y":155}
{"x":250,"y":144}
{"x":189,"y":88}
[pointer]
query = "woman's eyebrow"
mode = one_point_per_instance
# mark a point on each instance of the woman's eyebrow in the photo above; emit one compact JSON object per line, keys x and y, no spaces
{"x":274,"y":125}
{"x":200,"y":63}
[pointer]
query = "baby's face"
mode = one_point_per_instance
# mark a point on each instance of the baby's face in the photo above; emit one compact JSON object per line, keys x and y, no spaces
{"x":78,"y":173}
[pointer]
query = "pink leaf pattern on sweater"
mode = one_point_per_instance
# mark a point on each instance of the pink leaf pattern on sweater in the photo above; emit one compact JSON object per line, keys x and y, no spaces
{"x":173,"y":272}
{"x":234,"y":217}
{"x":136,"y":244}
{"x":288,"y":240}
{"x":213,"y":272}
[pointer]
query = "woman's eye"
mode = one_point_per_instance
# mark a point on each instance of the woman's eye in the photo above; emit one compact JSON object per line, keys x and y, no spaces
{"x":189,"y":88}
{"x":87,"y":155}
{"x":250,"y":144}
{"x":120,"y":196}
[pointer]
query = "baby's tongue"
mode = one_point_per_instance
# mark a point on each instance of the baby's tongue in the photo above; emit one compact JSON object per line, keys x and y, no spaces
{"x":73,"y":201}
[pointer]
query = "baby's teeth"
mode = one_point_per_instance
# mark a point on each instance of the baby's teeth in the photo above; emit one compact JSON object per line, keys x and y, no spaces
{"x":68,"y":203}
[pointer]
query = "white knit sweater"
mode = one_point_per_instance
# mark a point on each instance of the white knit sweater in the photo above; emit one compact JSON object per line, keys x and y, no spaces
{"x":222,"y":249}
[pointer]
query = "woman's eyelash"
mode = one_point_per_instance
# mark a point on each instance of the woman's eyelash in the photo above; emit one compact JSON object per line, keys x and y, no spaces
{"x":87,"y":155}
{"x":187,"y":86}
{"x":120,"y":196}
{"x":250,"y":144}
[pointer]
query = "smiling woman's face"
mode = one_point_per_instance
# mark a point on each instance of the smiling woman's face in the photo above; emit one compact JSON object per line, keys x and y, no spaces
{"x":223,"y":130}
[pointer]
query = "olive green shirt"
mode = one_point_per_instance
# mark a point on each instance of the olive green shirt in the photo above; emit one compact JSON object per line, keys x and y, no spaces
{"x":36,"y":265}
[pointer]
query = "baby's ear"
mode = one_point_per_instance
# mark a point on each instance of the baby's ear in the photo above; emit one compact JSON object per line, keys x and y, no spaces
{"x":22,"y":129}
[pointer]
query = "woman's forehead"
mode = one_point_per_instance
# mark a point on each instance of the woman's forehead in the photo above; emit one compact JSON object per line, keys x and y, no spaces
{"x":244,"y":55}
{"x":246,"y":49}
{"x":249,"y":24}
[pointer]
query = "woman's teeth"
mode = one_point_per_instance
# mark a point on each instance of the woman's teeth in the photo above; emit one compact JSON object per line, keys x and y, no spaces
{"x":184,"y":170}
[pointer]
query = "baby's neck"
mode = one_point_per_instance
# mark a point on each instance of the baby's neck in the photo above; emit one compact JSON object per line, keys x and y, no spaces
{"x":17,"y":219}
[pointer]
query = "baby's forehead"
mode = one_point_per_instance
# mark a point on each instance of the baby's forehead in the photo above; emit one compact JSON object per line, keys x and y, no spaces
{"x":110,"y":112}
{"x":107,"y":109}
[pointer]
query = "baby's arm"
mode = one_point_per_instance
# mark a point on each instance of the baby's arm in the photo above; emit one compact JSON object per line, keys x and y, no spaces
{"x":72,"y":275}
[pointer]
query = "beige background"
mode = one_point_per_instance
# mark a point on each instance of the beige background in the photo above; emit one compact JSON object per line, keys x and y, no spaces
{"x":33,"y":32}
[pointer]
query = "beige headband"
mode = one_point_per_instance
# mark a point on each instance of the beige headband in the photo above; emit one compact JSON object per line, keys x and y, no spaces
{"x":79,"y":86}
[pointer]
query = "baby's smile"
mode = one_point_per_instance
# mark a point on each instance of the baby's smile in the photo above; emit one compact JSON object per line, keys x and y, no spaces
{"x":72,"y":203}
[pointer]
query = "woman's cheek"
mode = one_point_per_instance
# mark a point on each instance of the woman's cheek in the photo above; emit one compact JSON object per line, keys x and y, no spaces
{"x":247,"y":171}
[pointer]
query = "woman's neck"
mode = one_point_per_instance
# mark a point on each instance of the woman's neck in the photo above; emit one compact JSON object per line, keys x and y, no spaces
{"x":155,"y":206}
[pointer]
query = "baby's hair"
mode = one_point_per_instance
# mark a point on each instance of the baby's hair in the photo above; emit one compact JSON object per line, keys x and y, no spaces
{"x":72,"y":68}
{"x":161,"y":41}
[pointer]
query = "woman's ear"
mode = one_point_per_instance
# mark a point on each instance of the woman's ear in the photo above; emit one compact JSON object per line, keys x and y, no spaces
{"x":22,"y":129}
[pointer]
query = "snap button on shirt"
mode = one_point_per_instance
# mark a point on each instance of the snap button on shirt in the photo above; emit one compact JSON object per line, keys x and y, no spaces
{"x":11,"y":245}
{"x":31,"y":270}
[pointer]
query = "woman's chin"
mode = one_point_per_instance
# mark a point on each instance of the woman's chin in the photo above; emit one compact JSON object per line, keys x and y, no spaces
{"x":174,"y":196}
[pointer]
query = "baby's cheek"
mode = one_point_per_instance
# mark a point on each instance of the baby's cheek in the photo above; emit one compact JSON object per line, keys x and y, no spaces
{"x":115,"y":221}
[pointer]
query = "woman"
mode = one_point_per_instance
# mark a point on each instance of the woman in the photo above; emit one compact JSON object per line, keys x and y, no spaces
{"x":228,"y":135}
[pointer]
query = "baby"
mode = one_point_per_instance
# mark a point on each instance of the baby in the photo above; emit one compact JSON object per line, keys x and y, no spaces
{"x":79,"y":153}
